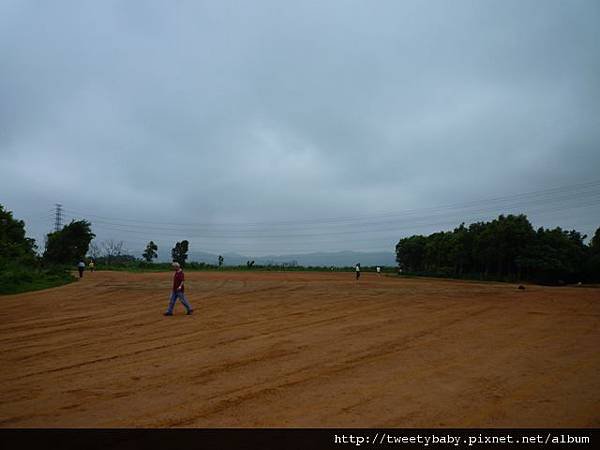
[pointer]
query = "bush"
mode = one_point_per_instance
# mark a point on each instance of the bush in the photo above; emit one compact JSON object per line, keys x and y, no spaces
{"x":16,"y":278}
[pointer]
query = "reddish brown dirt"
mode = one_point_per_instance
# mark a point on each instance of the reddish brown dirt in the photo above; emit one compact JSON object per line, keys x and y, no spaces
{"x":299,"y":349}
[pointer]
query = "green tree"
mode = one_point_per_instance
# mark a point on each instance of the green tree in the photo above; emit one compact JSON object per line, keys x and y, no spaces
{"x":14,"y":245}
{"x":20,"y":268}
{"x":410,"y":253}
{"x":150,"y":252}
{"x":486,"y":247}
{"x":438,"y":249}
{"x":555,"y":255}
{"x":506,"y":247}
{"x":460,"y":253}
{"x":513,"y":234}
{"x":592,"y":266}
{"x":595,"y":242}
{"x":179,"y":252}
{"x":70,"y":244}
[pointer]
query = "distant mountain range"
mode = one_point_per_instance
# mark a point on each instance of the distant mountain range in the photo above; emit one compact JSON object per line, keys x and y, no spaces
{"x":336,"y":259}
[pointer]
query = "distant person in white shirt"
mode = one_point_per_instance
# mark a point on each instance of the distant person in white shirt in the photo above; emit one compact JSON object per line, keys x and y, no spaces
{"x":378,"y":270}
{"x":81,"y":267}
{"x":357,"y":271}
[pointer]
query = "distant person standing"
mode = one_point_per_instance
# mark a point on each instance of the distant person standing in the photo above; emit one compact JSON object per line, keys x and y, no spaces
{"x":80,"y":268}
{"x":357,"y":271}
{"x":378,"y":270}
{"x":177,"y":292}
{"x":91,"y":265}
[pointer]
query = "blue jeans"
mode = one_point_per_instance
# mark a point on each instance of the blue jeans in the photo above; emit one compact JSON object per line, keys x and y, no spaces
{"x":178,"y":295}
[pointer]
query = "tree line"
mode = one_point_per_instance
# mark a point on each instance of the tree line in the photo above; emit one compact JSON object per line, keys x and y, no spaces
{"x":22,"y":268}
{"x":111,"y":252}
{"x":506,"y":248}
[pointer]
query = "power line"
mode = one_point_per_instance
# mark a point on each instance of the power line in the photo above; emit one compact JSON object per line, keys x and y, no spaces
{"x":553,"y":193}
{"x":383,"y":228}
{"x":372,"y":227}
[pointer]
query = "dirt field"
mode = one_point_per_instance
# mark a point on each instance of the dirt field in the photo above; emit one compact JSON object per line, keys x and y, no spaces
{"x":299,"y":349}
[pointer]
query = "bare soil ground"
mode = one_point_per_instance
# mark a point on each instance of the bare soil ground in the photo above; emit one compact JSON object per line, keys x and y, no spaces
{"x":299,"y":350}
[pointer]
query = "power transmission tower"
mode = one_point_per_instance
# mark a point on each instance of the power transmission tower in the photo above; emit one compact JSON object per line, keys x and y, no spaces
{"x":58,"y":217}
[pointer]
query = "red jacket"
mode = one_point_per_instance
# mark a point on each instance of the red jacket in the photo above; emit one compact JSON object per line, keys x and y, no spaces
{"x":177,"y":280}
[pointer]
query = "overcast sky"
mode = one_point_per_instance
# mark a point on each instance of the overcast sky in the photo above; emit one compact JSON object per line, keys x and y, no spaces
{"x":293,"y":126}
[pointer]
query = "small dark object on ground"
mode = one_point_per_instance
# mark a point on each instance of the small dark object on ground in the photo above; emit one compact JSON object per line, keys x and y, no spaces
{"x":521,"y":287}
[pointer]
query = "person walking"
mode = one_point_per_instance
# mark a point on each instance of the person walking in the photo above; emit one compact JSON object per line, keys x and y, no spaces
{"x":80,"y":268}
{"x":357,"y":271}
{"x":378,"y":270}
{"x":91,"y":265}
{"x":178,"y":291}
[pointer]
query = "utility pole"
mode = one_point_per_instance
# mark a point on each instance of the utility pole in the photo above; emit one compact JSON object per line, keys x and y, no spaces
{"x":58,"y":217}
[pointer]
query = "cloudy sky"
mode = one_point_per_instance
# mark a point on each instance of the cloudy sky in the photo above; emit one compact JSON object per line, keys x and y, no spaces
{"x":295,"y":126}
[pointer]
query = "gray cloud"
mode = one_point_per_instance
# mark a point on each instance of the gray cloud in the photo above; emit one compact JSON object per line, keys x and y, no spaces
{"x":231,"y":112}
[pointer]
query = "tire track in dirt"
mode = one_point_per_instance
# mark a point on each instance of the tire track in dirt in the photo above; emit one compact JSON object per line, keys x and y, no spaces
{"x":315,"y":372}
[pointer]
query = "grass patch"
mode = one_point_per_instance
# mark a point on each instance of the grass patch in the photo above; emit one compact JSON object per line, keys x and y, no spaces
{"x":15,"y":279}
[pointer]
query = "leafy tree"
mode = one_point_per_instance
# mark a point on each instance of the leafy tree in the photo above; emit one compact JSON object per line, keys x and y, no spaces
{"x":438,"y":249}
{"x":70,"y":244}
{"x":555,"y":255}
{"x":410,"y":253}
{"x":592,"y":266}
{"x":14,"y":245}
{"x":20,"y":268}
{"x":150,"y":252}
{"x":511,"y":235}
{"x":487,"y":248}
{"x":507,"y":247}
{"x":179,"y":252}
{"x":595,"y":242}
{"x":460,"y":253}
